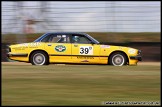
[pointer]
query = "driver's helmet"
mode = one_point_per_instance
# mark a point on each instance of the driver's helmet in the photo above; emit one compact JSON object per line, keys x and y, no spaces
{"x":76,"y":38}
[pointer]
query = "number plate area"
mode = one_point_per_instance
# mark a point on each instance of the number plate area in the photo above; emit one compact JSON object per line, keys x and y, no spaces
{"x":86,"y":50}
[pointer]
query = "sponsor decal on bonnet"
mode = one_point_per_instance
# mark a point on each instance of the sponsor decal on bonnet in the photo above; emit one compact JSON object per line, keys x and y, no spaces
{"x":105,"y":46}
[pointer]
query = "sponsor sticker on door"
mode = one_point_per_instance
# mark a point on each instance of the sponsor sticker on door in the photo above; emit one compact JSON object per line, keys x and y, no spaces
{"x":60,"y":48}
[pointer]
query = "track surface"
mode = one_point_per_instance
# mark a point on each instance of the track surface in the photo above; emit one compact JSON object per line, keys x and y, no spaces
{"x":53,"y":85}
{"x":23,"y":63}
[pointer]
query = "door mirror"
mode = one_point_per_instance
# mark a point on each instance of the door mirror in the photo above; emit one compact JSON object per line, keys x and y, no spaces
{"x":92,"y":42}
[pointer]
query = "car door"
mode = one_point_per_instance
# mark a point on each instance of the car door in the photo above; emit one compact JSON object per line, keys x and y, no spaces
{"x":83,"y":51}
{"x":58,"y":47}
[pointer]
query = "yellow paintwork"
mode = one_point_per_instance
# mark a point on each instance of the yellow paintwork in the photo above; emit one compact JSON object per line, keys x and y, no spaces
{"x":98,"y":55}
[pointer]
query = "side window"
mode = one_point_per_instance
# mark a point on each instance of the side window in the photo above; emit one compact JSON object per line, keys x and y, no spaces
{"x":53,"y":38}
{"x":46,"y":39}
{"x":64,"y":39}
{"x":80,"y":39}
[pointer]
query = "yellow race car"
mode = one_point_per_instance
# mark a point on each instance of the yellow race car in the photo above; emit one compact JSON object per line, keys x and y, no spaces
{"x":71,"y":47}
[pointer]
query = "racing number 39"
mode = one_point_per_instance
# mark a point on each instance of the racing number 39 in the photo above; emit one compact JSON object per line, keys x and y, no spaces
{"x":84,"y":50}
{"x":88,"y":50}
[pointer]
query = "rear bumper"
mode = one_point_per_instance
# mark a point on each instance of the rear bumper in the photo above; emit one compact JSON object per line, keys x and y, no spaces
{"x":139,"y":58}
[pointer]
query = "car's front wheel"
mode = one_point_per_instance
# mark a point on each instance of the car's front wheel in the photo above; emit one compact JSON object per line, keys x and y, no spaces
{"x":39,"y":58}
{"x":117,"y":59}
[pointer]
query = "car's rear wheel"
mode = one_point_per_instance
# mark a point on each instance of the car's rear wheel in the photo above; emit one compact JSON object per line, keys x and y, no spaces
{"x":118,"y":59}
{"x":39,"y":58}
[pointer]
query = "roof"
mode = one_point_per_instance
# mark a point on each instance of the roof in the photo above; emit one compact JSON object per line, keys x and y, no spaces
{"x":64,"y":33}
{"x":68,"y":32}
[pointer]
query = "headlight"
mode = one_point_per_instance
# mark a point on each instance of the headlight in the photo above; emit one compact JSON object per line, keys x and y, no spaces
{"x":132,"y":51}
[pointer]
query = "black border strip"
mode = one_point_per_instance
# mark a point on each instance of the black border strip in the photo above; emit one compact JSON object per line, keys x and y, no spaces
{"x":77,"y":55}
{"x":17,"y":55}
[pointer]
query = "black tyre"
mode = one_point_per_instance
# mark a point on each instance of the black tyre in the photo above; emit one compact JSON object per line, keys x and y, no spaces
{"x":118,"y":59}
{"x":39,"y":58}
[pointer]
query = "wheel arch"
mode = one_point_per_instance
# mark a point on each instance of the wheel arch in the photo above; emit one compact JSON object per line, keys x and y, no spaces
{"x":116,"y":52}
{"x":35,"y":51}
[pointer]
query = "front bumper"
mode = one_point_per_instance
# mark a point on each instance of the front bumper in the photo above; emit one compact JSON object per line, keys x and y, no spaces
{"x":139,"y":58}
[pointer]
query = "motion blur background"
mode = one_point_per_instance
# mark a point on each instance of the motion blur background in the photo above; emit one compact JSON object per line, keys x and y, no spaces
{"x":134,"y":24}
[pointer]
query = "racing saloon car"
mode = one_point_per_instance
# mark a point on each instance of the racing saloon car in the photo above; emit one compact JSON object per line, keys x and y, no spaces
{"x":71,"y":47}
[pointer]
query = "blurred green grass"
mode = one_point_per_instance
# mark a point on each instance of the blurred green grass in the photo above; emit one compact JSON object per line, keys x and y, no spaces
{"x":116,"y":37}
{"x":78,"y":84}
